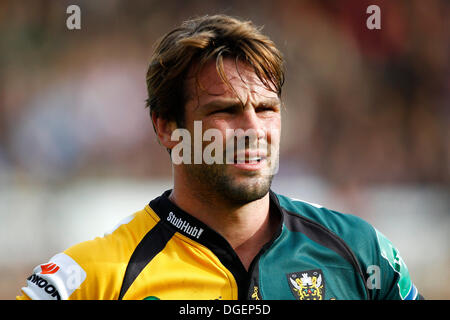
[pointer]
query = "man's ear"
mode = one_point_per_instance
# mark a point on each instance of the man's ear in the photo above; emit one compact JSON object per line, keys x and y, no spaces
{"x":164,"y":129}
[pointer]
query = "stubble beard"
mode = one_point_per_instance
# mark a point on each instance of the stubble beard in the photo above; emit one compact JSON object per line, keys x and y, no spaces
{"x":218,"y":184}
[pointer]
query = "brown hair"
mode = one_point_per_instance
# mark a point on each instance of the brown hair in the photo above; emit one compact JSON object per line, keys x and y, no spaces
{"x":197,"y":41}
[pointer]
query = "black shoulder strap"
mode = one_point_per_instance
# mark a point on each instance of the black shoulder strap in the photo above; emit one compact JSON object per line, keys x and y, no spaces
{"x":152,"y":243}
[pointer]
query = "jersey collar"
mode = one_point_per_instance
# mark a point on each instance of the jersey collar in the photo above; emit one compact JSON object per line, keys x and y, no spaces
{"x":181,"y":221}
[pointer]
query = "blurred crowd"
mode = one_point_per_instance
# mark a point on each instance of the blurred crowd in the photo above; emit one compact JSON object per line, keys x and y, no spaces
{"x":362,"y":106}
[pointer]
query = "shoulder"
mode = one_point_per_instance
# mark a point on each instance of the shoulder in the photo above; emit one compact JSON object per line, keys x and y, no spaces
{"x":116,"y":244}
{"x":356,"y":233}
{"x":380,"y":263}
{"x":92,"y":269}
{"x":346,"y":226}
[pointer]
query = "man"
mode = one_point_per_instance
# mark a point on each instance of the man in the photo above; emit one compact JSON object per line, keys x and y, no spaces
{"x":221,"y":233}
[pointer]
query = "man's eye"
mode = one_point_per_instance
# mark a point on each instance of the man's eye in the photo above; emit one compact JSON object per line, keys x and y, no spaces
{"x":265,"y":109}
{"x":225,"y":110}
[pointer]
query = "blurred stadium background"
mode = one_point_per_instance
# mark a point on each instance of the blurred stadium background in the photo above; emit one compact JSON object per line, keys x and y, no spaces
{"x":366,"y":123}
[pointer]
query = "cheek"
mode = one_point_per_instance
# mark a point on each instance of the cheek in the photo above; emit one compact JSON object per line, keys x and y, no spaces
{"x":205,"y":125}
{"x":273,"y":131}
{"x":219,"y":126}
{"x":215,"y":131}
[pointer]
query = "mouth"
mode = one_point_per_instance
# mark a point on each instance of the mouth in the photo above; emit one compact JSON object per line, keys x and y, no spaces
{"x":252,"y":157}
{"x":250,"y":161}
{"x":253,"y":160}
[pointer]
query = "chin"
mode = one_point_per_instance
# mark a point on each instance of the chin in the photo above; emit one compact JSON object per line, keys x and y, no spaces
{"x":218,"y":182}
{"x":246,"y":191}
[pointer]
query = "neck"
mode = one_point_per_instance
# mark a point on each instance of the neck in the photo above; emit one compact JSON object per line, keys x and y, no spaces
{"x":246,"y":227}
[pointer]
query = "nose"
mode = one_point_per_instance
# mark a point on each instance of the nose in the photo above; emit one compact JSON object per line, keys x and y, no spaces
{"x":249,"y":120}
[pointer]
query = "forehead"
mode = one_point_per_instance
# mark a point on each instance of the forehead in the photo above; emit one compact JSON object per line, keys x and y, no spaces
{"x":209,"y":86}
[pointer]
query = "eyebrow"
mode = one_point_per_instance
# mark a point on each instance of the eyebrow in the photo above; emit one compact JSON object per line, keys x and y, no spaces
{"x":231,"y":102}
{"x":270,"y":102}
{"x":221,"y":103}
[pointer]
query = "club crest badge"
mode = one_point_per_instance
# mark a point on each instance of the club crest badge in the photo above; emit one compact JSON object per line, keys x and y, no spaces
{"x":307,"y":285}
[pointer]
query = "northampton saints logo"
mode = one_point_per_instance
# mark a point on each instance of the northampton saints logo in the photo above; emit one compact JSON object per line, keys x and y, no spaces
{"x":307,"y":285}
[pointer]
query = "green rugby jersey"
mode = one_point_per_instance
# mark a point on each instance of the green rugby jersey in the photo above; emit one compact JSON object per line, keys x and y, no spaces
{"x":162,"y":252}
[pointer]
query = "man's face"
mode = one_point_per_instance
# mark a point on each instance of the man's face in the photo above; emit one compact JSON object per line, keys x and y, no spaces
{"x":248,"y":166}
